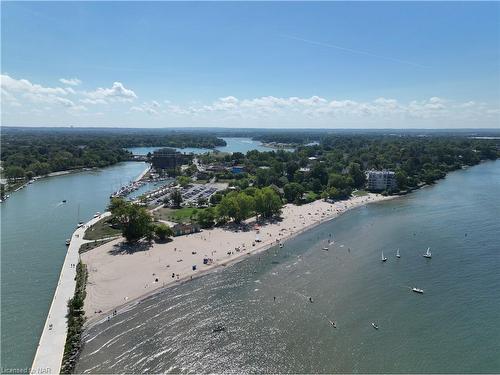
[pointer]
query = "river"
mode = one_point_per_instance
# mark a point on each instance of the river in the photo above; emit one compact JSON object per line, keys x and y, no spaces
{"x":452,"y":328}
{"x":233,"y":144}
{"x":35,"y":225}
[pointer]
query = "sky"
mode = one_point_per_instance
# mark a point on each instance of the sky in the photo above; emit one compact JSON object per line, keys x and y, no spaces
{"x":251,"y":64}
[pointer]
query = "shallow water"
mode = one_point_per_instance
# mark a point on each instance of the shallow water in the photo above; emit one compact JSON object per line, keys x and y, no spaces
{"x":452,"y":327}
{"x":35,"y":225}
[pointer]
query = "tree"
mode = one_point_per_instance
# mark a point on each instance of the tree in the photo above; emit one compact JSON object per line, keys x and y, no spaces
{"x":357,"y":175}
{"x":184,"y":181}
{"x":163,"y":231}
{"x":14,"y":172}
{"x":206,"y":217}
{"x":293,"y":191}
{"x":176,"y":198}
{"x":267,"y":203}
{"x":134,"y":220}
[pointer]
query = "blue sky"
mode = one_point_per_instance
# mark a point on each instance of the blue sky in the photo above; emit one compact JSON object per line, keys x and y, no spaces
{"x":327,"y":64}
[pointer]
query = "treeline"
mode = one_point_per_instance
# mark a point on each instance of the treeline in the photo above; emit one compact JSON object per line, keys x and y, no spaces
{"x":238,"y":206}
{"x":32,"y":152}
{"x":76,"y":319}
{"x":338,"y":164}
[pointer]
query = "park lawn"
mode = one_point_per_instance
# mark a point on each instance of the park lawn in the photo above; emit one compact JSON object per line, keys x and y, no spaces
{"x":101,"y":229}
{"x":180,"y":215}
{"x":360,"y":193}
{"x":92,"y":245}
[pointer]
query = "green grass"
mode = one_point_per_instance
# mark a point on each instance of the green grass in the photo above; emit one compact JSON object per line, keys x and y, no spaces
{"x":101,"y":229}
{"x":181,"y":215}
{"x":92,"y":245}
{"x":360,"y":193}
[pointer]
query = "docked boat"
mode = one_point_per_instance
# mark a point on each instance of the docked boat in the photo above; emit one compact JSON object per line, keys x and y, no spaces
{"x":417,"y":290}
{"x":383,"y":259}
{"x":374,"y":325}
{"x":68,"y":242}
{"x":80,"y":224}
{"x":281,"y":245}
{"x":428,"y":253}
{"x":397,"y":254}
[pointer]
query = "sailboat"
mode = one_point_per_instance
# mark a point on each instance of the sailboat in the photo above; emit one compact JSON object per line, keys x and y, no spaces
{"x":428,"y":253}
{"x":383,"y":257}
{"x":397,"y":253}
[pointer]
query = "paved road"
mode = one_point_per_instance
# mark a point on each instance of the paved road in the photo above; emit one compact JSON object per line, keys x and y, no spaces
{"x":50,"y":349}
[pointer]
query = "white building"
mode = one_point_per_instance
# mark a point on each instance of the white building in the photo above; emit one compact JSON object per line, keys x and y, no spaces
{"x":381,"y":180}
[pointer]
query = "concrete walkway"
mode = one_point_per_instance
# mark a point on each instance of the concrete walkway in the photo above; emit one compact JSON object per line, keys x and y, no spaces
{"x":49,"y":354}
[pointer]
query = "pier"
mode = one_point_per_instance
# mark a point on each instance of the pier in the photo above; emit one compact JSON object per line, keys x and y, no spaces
{"x":50,"y":348}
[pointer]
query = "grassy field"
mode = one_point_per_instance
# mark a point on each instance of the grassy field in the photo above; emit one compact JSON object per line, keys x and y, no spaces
{"x":92,"y":245}
{"x":181,"y":215}
{"x":101,"y":229}
{"x":360,"y":193}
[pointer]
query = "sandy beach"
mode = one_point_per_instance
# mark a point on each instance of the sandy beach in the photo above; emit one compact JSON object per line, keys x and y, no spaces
{"x":117,"y":277}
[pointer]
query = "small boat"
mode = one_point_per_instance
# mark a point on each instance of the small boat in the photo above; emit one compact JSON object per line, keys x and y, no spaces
{"x":383,"y":259}
{"x":96,"y":216}
{"x":67,"y":242}
{"x":374,"y":325}
{"x":80,"y":224}
{"x":281,"y":245}
{"x":325,"y":248}
{"x":417,"y":290}
{"x":334,"y":325}
{"x":428,"y":253}
{"x":397,"y":254}
{"x":219,"y":329}
{"x":64,"y":201}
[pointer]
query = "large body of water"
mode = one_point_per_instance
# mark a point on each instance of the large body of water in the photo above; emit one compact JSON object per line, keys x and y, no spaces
{"x":35,"y":225}
{"x":235,"y":144}
{"x":453,"y":327}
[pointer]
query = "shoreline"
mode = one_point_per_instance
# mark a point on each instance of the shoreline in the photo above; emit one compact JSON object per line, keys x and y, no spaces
{"x":109,"y":287}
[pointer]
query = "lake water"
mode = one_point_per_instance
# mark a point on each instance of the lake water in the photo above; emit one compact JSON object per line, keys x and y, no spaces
{"x":35,"y":225}
{"x":235,"y":144}
{"x":452,"y":327}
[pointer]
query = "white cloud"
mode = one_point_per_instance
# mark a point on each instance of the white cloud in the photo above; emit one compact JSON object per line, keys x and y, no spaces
{"x":13,"y":85}
{"x":70,"y":81}
{"x":322,"y":109}
{"x":149,"y":108}
{"x":117,"y":92}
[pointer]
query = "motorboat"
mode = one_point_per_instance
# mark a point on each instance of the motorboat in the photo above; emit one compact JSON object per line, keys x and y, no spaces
{"x":68,"y":242}
{"x":325,"y":248}
{"x":374,"y":325}
{"x":417,"y":290}
{"x":428,"y":253}
{"x":219,"y":329}
{"x":383,"y":258}
{"x":397,"y":254}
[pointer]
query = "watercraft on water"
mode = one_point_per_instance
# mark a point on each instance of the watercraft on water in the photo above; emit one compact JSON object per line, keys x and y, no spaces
{"x":334,"y":325}
{"x":64,"y":200}
{"x":428,"y":253}
{"x":374,"y":325}
{"x":417,"y":290}
{"x":325,"y":248}
{"x":383,"y":259}
{"x":281,"y":245}
{"x":68,"y":242}
{"x":397,"y":254}
{"x":219,"y":329}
